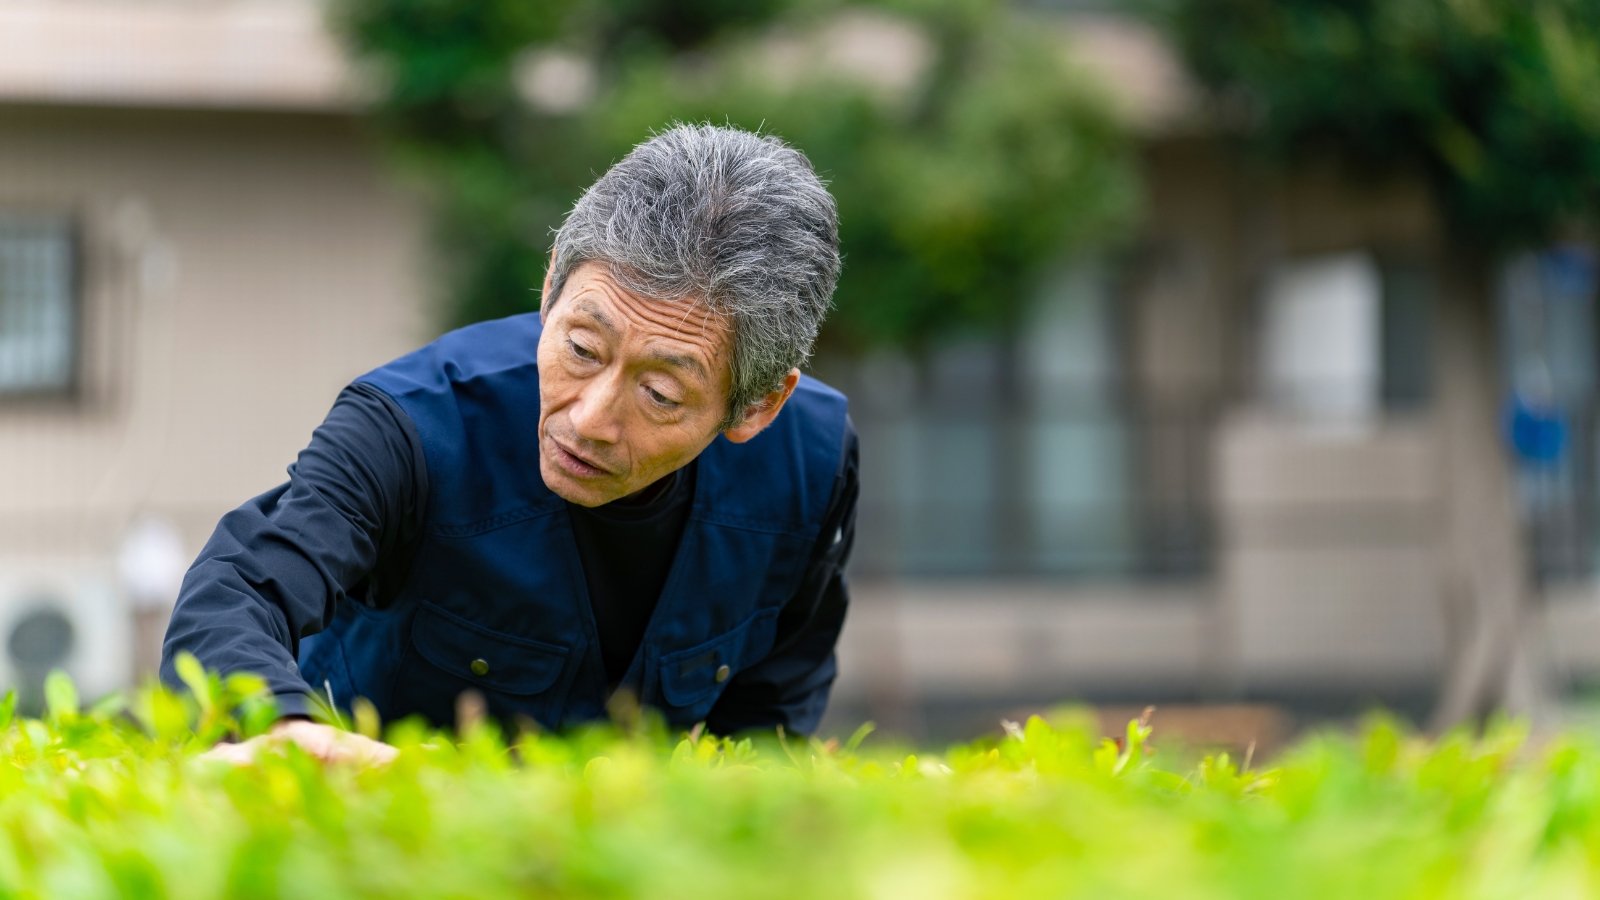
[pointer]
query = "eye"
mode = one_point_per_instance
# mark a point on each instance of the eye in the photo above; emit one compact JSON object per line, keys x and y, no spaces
{"x":660,"y":399}
{"x":581,"y":351}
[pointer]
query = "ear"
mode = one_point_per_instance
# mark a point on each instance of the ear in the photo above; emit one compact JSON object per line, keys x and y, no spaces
{"x":761,"y":413}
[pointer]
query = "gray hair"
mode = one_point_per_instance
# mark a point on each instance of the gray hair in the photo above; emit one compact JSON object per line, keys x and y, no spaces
{"x":734,"y":221}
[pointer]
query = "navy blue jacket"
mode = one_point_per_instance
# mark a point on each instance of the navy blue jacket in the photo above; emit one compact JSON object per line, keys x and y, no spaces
{"x":306,"y":585}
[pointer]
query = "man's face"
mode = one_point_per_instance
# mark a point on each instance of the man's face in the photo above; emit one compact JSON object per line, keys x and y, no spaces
{"x":630,"y":389}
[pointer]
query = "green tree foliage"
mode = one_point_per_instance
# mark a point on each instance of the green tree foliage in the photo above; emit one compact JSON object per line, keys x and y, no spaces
{"x":1496,"y":102}
{"x":956,"y":183}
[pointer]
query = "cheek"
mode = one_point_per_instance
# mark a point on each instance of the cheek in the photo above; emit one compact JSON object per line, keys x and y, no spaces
{"x":554,"y":384}
{"x":551,"y":389}
{"x":671,"y":448}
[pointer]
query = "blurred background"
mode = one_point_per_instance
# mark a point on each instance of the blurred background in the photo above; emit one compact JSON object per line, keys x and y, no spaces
{"x":1230,"y":356}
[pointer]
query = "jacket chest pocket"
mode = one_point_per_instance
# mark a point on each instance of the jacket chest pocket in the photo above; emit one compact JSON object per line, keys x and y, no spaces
{"x":693,"y":679}
{"x":448,"y":654}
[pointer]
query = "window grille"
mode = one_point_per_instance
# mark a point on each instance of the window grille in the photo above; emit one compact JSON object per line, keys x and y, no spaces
{"x":37,"y":309}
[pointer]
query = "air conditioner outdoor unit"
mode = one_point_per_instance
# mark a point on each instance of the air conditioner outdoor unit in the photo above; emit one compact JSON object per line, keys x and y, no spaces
{"x":69,"y":618}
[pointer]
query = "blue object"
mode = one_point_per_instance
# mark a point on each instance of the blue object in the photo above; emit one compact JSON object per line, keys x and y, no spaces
{"x":1537,"y":433}
{"x":494,"y":597}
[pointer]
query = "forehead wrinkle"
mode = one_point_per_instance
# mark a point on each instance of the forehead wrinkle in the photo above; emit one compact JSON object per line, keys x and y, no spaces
{"x":621,"y":293}
{"x":688,"y":309}
{"x":712,"y":323}
{"x":673,"y":317}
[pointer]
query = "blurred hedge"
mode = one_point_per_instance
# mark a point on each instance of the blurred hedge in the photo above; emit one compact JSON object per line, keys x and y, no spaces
{"x":115,"y":801}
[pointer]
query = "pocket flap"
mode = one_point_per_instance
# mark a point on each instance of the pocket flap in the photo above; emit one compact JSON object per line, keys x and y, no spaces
{"x":690,"y":676}
{"x":497,"y":661}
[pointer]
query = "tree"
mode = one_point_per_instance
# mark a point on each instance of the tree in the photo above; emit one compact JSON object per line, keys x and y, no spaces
{"x":959,"y":174}
{"x":1495,"y":104}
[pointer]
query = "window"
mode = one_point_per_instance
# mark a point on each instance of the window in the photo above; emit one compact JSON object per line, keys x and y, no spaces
{"x":1548,"y":348}
{"x":1320,"y":347}
{"x":1347,"y":338}
{"x":38,"y":343}
{"x":1029,"y":454}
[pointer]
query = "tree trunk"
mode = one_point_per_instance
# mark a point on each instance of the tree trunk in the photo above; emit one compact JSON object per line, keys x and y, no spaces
{"x":1487,"y":587}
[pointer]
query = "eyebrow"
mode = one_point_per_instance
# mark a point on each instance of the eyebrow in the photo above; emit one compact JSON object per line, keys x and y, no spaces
{"x":675,"y":360}
{"x":680,"y":361}
{"x":599,"y":317}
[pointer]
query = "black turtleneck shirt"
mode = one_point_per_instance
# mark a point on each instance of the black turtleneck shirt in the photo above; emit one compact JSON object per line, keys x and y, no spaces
{"x":627,"y":550}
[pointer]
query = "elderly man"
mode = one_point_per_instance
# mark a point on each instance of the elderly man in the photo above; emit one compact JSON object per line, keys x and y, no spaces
{"x":634,"y":489}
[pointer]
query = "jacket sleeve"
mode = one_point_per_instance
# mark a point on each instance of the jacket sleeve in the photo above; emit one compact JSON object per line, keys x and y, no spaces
{"x":790,"y":686}
{"x":275,"y":567}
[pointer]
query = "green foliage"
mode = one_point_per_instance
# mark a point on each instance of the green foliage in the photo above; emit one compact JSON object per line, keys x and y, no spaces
{"x":1496,"y":102}
{"x":955,"y":187}
{"x":98,"y":804}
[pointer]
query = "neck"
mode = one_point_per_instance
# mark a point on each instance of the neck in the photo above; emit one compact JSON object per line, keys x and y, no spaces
{"x":649,"y":492}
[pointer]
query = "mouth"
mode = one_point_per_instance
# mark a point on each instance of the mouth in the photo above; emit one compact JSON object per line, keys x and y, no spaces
{"x":576,"y":464}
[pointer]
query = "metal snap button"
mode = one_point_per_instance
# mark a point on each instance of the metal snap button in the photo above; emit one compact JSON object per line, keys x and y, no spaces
{"x":722,"y":673}
{"x":480,"y":667}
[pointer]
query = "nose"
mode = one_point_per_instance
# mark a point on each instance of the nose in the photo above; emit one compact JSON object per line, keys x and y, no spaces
{"x":593,"y":411}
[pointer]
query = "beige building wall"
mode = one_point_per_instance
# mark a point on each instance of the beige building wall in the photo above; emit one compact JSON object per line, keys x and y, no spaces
{"x":236,"y":270}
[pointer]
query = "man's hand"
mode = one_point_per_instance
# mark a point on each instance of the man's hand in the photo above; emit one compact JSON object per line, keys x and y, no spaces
{"x":324,"y":742}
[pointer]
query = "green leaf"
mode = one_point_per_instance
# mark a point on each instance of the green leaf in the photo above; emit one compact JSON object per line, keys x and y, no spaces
{"x":109,"y":705}
{"x":860,"y":734}
{"x":60,"y":696}
{"x":242,"y":685}
{"x":367,"y":722}
{"x":193,"y":675}
{"x":255,"y":715}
